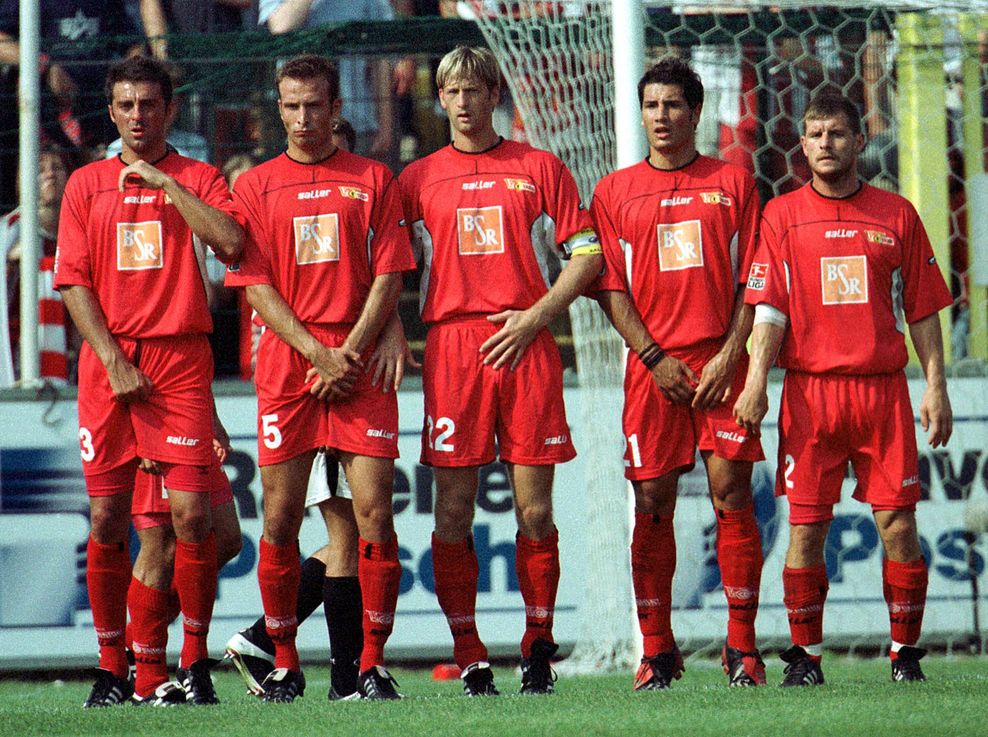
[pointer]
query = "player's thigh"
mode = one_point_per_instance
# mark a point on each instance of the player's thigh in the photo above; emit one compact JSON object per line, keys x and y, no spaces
{"x":531,"y":428}
{"x":106,"y":434}
{"x":813,"y":443}
{"x":884,"y":457}
{"x":283,"y":488}
{"x":175,"y":423}
{"x":290,"y":421}
{"x":372,"y":483}
{"x":719,"y":434}
{"x":659,"y":434}
{"x":460,"y":398}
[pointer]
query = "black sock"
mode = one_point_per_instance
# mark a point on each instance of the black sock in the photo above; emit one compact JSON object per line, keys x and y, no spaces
{"x":310,"y":588}
{"x":344,"y":621}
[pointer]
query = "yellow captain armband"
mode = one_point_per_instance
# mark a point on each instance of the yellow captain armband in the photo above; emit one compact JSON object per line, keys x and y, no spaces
{"x":584,"y":243}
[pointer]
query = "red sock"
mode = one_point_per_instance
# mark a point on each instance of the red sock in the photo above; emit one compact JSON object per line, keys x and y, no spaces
{"x":195,"y":582}
{"x":739,"y":554}
{"x":905,"y":593}
{"x":149,"y":610}
{"x":174,"y":606}
{"x":107,"y":578}
{"x":653,"y":564}
{"x":278,"y":574}
{"x":537,"y":565}
{"x":455,"y":571}
{"x":380,"y":574}
{"x":805,"y":592}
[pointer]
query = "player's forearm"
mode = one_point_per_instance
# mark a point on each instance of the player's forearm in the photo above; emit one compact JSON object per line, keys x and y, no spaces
{"x":153,"y":19}
{"x":215,"y":228}
{"x":766,"y":337}
{"x":278,"y":316}
{"x":626,"y":319}
{"x":290,"y":16}
{"x":572,"y":282}
{"x":378,"y":310}
{"x":740,"y":328}
{"x":90,"y":321}
{"x":928,"y":340}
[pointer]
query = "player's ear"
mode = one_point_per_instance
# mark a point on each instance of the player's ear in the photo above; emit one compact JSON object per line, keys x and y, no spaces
{"x":337,"y":106}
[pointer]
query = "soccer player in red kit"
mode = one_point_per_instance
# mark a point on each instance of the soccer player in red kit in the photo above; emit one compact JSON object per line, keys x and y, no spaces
{"x":678,"y":231}
{"x":486,"y":214}
{"x":322,"y":267}
{"x":841,"y":269}
{"x":130,"y":279}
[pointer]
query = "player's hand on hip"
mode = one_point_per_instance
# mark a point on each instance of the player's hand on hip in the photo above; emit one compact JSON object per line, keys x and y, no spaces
{"x":675,"y":379}
{"x":142,"y":174}
{"x":750,"y":410}
{"x":715,"y":383}
{"x":508,"y":344}
{"x":128,"y":383}
{"x":935,"y":415}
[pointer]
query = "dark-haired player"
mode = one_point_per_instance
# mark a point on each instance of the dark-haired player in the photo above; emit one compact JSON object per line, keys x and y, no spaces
{"x":678,"y":231}
{"x":130,"y":279}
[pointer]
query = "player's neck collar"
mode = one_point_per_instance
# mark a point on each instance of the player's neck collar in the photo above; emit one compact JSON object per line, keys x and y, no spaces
{"x":857,"y":189}
{"x":169,"y":149}
{"x":327,"y":157}
{"x":500,"y":140}
{"x":648,"y":160}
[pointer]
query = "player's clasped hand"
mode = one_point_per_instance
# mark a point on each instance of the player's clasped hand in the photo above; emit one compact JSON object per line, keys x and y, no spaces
{"x":141,"y":174}
{"x":509,"y":343}
{"x":750,"y":409}
{"x":335,"y":371}
{"x":675,"y":380}
{"x":715,"y":383}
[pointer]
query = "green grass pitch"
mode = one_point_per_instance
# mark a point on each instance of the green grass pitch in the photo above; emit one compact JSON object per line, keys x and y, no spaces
{"x":858,"y":699}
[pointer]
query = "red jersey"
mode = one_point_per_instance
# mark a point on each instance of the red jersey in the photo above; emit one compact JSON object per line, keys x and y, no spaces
{"x":679,"y":242}
{"x":485,"y":225}
{"x":134,"y":249}
{"x":849,"y":274}
{"x":320,"y":233}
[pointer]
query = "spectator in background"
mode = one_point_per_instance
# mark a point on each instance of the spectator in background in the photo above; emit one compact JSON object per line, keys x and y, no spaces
{"x":73,"y":109}
{"x":57,"y":339}
{"x":161,"y":17}
{"x":365,"y":84}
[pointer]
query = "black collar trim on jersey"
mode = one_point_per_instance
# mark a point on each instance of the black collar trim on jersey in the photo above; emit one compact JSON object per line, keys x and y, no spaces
{"x":696,"y":155}
{"x":169,"y":149}
{"x":500,"y":140}
{"x":845,"y":197}
{"x":312,"y":163}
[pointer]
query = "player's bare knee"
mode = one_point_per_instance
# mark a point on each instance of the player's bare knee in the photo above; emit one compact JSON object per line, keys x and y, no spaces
{"x":108,"y":527}
{"x":375,"y":522}
{"x":732,"y":495}
{"x":806,"y":544}
{"x":656,"y":496}
{"x":228,"y":546}
{"x":535,"y":519}
{"x":897,"y":528}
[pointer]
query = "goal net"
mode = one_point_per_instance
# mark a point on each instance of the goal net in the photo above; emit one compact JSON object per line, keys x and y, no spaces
{"x":904,"y":64}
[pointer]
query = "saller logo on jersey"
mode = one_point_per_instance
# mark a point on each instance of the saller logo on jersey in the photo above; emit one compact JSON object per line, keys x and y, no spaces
{"x":139,"y":246}
{"x":756,"y":276}
{"x":715,"y":198}
{"x":354,"y":194}
{"x":519,"y":185}
{"x":845,"y":279}
{"x":680,"y":245}
{"x":317,"y":238}
{"x":480,"y":230}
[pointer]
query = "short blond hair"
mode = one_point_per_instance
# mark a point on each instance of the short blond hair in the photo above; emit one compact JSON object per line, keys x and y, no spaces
{"x":469,"y":62}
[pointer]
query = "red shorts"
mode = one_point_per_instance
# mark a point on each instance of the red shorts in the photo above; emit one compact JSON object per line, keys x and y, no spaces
{"x":467,"y":404}
{"x":290,"y":421}
{"x":662,"y":436}
{"x":150,"y":507}
{"x":173,"y":425}
{"x":826,"y":421}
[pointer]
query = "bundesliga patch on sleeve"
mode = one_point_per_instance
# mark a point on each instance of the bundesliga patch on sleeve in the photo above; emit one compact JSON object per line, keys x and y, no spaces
{"x":756,"y":276}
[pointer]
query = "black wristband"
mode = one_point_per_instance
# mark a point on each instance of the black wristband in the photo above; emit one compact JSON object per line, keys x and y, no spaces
{"x":651,"y":355}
